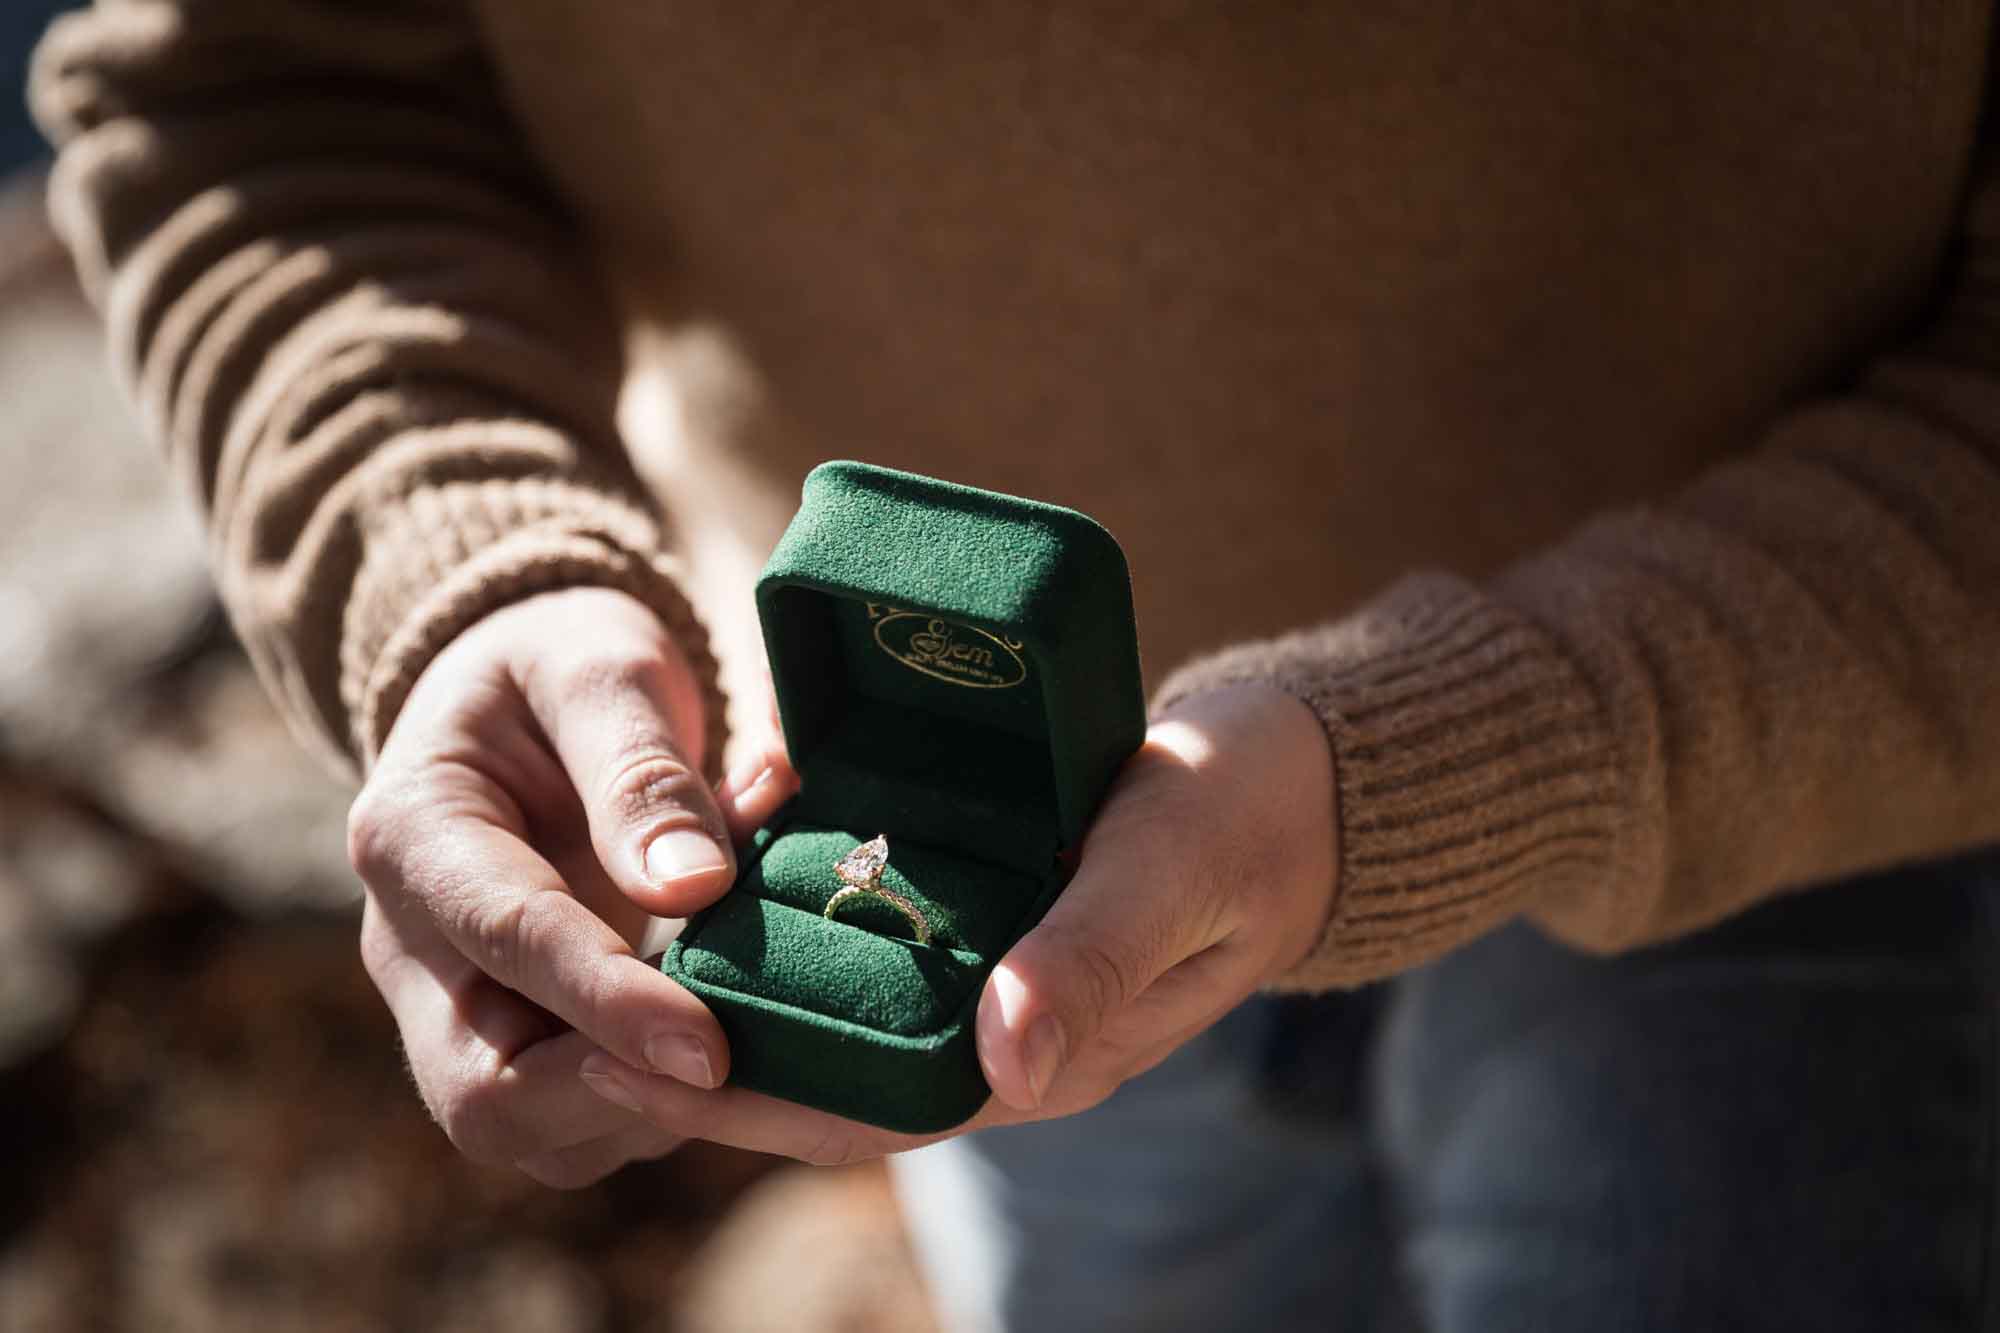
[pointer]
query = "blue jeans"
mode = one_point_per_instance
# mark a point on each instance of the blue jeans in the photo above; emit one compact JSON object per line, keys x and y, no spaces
{"x":1785,"y":1122}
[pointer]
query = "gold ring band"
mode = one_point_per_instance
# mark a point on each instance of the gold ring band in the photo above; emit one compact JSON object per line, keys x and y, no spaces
{"x":861,"y":872}
{"x":889,"y":896}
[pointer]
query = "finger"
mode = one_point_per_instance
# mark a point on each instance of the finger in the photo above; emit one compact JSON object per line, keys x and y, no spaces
{"x":1184,"y":999}
{"x":1119,"y":925}
{"x":1106,"y":1067}
{"x":739,"y":1118}
{"x":575,"y":859}
{"x":655,"y":824}
{"x":587,"y":1163}
{"x":442,"y":855}
{"x":754,"y":791}
{"x":495,"y":1080}
{"x":1184,"y":1002}
{"x":500,"y":1111}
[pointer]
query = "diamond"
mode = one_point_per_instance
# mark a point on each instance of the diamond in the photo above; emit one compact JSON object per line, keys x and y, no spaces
{"x":863,"y":866}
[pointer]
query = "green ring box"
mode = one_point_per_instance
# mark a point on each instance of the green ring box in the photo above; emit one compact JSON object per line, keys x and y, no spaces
{"x":959,"y":670}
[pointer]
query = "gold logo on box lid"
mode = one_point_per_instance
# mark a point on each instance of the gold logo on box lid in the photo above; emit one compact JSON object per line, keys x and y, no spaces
{"x":948,"y":651}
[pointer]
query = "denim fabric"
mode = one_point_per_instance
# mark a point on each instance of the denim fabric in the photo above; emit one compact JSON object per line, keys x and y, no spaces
{"x":1786,"y":1122}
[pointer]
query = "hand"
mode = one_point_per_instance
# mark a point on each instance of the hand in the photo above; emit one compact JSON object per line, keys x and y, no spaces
{"x":1209,"y":871}
{"x":537,"y":804}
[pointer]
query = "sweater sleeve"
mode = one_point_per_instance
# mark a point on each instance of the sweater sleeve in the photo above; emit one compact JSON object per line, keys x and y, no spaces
{"x":367,"y":337}
{"x":1786,"y":673}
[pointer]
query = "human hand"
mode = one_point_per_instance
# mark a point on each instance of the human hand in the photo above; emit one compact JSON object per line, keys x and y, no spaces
{"x":1209,"y":871}
{"x":537,"y":804}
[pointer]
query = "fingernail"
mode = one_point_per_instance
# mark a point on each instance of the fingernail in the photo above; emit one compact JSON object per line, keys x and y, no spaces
{"x":681,"y":852}
{"x":606,"y":1085}
{"x":659,"y":932}
{"x":750,"y":777}
{"x":1043,"y":1055}
{"x":681,"y":1057}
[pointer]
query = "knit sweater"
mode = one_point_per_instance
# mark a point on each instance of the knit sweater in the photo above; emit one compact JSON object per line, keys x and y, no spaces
{"x":1590,"y":412}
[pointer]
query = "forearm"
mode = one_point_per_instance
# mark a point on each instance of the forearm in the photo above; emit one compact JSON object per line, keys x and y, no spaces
{"x":1800,"y":656}
{"x":367,"y":338}
{"x":1784,"y":674}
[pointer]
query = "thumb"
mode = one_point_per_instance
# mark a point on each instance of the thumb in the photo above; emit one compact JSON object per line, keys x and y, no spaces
{"x":1096,"y":951}
{"x":654,"y":823}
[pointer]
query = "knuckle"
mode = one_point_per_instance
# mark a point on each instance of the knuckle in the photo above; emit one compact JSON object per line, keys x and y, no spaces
{"x":1109,"y":981}
{"x":478,"y":1121}
{"x":512,"y":935}
{"x":609,"y":675}
{"x":644,"y":783}
{"x":375,"y":825}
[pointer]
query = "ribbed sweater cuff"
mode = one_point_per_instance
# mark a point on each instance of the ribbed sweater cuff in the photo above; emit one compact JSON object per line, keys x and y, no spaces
{"x":444,"y":556}
{"x":1473,"y":770}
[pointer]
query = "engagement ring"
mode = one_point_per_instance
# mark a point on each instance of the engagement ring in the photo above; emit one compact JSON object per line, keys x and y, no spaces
{"x":861,"y":871}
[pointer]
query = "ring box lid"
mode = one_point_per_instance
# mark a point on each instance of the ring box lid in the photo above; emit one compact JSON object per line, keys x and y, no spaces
{"x":951,"y":665}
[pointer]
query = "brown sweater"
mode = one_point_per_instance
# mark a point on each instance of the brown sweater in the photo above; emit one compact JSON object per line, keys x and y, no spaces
{"x":1670,"y":332}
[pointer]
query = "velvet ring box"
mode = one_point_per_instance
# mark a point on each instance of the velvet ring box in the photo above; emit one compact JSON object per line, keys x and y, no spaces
{"x":956,"y":669}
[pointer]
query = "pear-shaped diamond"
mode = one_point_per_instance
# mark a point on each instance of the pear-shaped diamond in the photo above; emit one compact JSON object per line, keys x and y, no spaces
{"x":863,"y":866}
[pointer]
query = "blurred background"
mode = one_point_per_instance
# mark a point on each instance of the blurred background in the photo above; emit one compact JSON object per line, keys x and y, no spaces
{"x":204,"y":1121}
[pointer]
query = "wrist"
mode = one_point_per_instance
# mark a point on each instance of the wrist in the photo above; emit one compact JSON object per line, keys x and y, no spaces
{"x":1276,"y":770}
